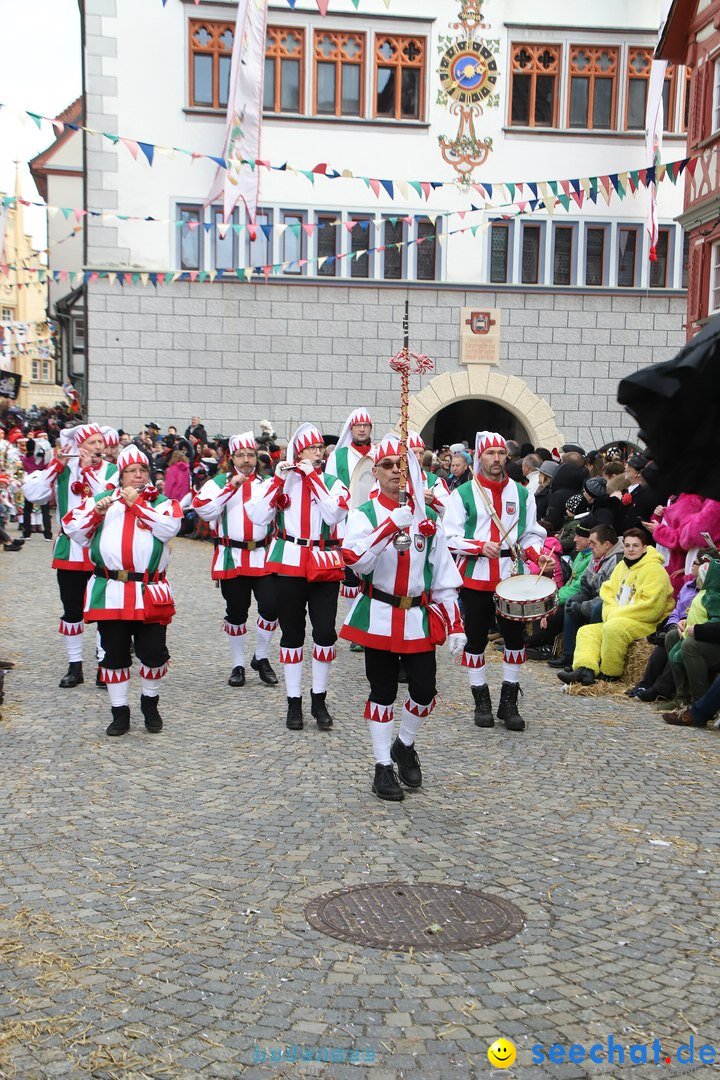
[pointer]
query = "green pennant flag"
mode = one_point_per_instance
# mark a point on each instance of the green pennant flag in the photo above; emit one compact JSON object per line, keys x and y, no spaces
{"x":114,"y":139}
{"x":474,"y":229}
{"x":415,"y":185}
{"x":36,"y":118}
{"x":564,"y":201}
{"x":295,"y":229}
{"x":552,"y":184}
{"x":65,"y":211}
{"x":634,"y":176}
{"x":511,"y":191}
{"x":135,"y":278}
{"x":308,"y":176}
{"x":202,"y":276}
{"x":240,"y":273}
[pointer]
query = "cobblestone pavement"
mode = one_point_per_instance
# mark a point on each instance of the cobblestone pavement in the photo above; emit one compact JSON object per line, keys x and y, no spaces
{"x":153,"y":887}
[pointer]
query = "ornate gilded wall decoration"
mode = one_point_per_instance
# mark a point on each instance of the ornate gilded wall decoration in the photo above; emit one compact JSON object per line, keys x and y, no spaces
{"x":468,"y":77}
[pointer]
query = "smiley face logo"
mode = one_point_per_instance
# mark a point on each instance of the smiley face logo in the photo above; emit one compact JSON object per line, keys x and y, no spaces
{"x":502,"y":1053}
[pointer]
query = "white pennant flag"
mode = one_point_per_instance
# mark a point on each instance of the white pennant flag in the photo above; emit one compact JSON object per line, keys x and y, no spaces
{"x":244,"y":112}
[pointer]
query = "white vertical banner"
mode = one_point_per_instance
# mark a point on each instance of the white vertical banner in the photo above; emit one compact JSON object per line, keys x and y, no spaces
{"x":654,"y":120}
{"x":244,"y":114}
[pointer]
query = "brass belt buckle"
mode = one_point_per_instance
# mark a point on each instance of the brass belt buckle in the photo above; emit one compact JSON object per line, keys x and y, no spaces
{"x":123,"y":575}
{"x":405,"y":603}
{"x":251,"y":545}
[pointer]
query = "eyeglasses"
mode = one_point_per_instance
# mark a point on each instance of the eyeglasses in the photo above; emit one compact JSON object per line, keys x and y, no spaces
{"x":388,"y":465}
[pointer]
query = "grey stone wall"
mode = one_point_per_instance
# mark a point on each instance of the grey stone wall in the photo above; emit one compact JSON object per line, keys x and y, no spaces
{"x":235,"y":353}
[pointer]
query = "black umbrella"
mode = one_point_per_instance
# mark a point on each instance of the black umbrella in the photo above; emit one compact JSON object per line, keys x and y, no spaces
{"x":677,"y":405}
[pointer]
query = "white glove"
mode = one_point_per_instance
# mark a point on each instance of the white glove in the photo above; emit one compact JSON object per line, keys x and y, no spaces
{"x":456,"y":644}
{"x":283,"y":467}
{"x":402,"y":517}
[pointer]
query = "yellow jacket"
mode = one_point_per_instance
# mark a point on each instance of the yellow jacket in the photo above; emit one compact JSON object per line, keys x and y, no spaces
{"x":642,"y":592}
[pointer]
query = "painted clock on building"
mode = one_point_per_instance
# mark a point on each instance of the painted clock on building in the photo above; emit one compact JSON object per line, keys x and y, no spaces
{"x":468,"y":72}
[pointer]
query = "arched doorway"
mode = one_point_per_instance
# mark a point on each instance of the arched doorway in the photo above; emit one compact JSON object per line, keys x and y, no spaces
{"x":480,"y":386}
{"x":459,"y":421}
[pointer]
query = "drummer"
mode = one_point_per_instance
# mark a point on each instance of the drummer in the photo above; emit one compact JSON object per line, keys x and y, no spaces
{"x":486,"y":521}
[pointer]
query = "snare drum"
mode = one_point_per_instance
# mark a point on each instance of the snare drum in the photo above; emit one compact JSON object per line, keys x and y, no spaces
{"x":525,"y":596}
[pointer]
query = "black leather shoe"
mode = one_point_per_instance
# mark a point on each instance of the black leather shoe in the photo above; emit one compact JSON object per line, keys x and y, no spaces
{"x":635,"y":690}
{"x":120,"y":720}
{"x":582,"y":675}
{"x":238,"y":677}
{"x":294,"y":714}
{"x":266,"y":673}
{"x":73,"y":676}
{"x":323,"y":719}
{"x":507,"y":710}
{"x":385,"y":784}
{"x":14,"y":545}
{"x":149,"y":708}
{"x":561,"y":662}
{"x":408,"y":763}
{"x":483,"y":706}
{"x":647,"y":693}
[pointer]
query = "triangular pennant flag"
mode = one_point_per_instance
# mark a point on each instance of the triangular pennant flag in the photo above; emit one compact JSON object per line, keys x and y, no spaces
{"x":132,"y":147}
{"x":375,"y":188}
{"x":323,"y":6}
{"x":511,"y":192}
{"x":414,"y":184}
{"x":307,"y":229}
{"x":402,"y":188}
{"x":564,"y":201}
{"x":148,"y":150}
{"x":34,"y":116}
{"x":388,"y":185}
{"x":425,"y":188}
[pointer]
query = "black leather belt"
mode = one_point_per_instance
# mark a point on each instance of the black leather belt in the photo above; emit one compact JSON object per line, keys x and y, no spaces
{"x":506,"y":553}
{"x":246,"y":545}
{"x":402,"y":602}
{"x":322,"y":544}
{"x":129,"y":575}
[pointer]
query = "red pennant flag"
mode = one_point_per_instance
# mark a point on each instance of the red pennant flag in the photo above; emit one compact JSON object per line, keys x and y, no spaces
{"x":425,"y":186}
{"x":132,"y":147}
{"x":375,"y":185}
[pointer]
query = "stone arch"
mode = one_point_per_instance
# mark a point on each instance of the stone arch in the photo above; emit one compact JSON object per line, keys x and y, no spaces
{"x":477,"y":381}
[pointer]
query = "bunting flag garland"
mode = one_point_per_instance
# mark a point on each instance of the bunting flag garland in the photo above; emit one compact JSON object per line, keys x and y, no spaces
{"x":392,"y":188}
{"x":323,"y":5}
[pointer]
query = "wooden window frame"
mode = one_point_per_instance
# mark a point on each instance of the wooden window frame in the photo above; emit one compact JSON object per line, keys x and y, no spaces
{"x":274,"y":51}
{"x":535,"y":70}
{"x":369,"y":244}
{"x":435,"y":243}
{"x":591,"y":74}
{"x":557,"y":229}
{"x":603,"y":277}
{"x":632,"y":76}
{"x":340,"y":38}
{"x":715,"y":98}
{"x":685,"y":110}
{"x":323,"y":220}
{"x":530,"y":228}
{"x":714,"y":253}
{"x":216,"y":27}
{"x":685,"y":261}
{"x":508,"y":256}
{"x":666,"y":231}
{"x":215,"y":212}
{"x":622,"y":227}
{"x":303,"y":220}
{"x":400,"y":41}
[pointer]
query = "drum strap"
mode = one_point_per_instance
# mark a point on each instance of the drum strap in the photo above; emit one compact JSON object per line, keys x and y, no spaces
{"x":491,"y":511}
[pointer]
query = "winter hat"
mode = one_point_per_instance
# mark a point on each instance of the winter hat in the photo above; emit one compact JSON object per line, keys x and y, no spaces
{"x":81,"y":433}
{"x":637,"y":461}
{"x":358,"y":416}
{"x":415,"y":441}
{"x":574,"y":503}
{"x":549,"y":468}
{"x":246,"y":441}
{"x":110,"y":435}
{"x":572,"y":448}
{"x":306,"y":435}
{"x":583,"y":530}
{"x":596,"y":486}
{"x":131,"y":455}
{"x":391,"y":446}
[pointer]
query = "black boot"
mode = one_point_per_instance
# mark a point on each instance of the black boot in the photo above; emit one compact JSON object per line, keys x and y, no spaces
{"x":408,"y":763}
{"x":564,"y":662}
{"x":582,"y":675}
{"x":237,"y":677}
{"x":483,"y":706}
{"x":507,"y":709}
{"x":294,"y":714}
{"x":385,"y":784}
{"x":73,"y":675}
{"x":323,"y":719}
{"x":266,"y":673}
{"x":149,"y":708}
{"x":120,"y":720}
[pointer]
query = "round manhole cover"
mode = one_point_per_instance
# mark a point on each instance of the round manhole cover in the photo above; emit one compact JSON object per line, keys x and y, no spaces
{"x":436,"y":918}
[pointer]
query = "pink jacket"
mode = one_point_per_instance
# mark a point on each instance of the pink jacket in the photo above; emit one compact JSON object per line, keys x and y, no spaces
{"x":177,"y":481}
{"x":552,"y":546}
{"x":668,"y":533}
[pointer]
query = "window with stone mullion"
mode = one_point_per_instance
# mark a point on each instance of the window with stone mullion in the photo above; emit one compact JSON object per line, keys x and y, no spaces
{"x":534,"y":87}
{"x":339,"y":67}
